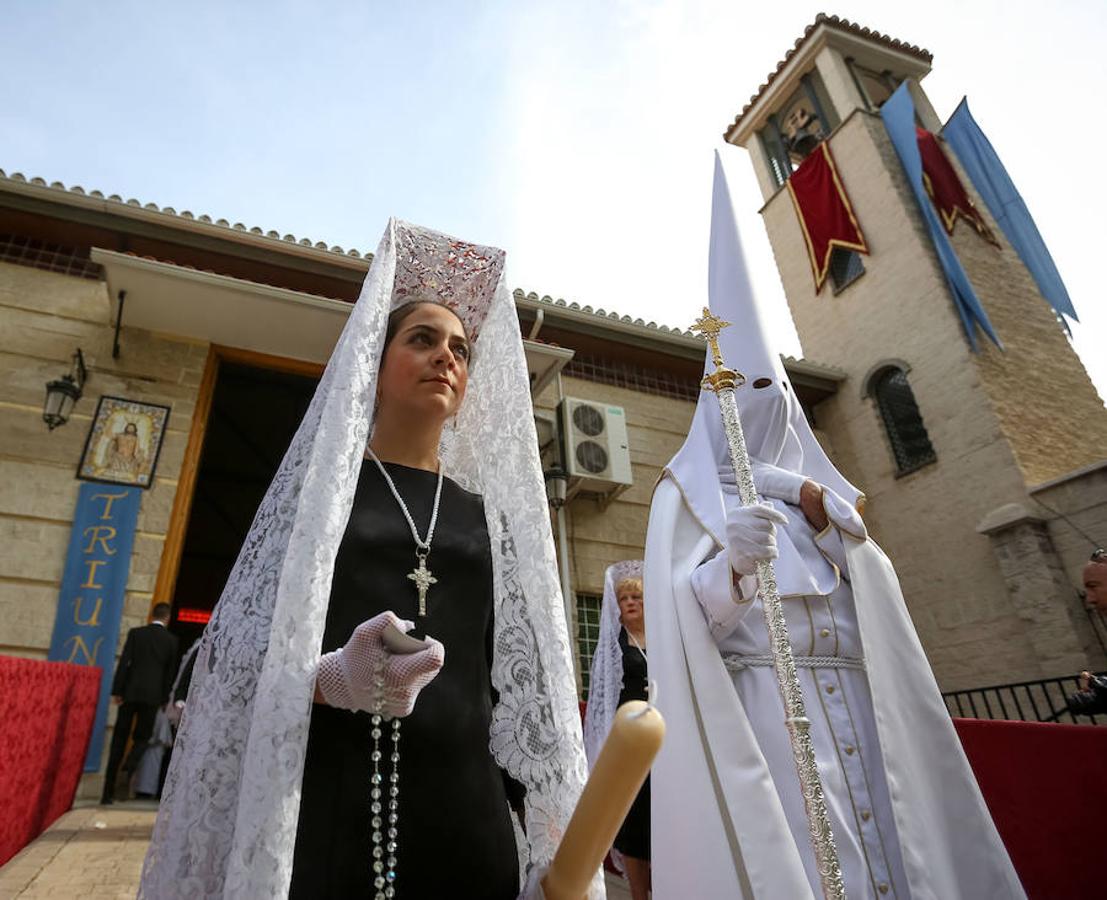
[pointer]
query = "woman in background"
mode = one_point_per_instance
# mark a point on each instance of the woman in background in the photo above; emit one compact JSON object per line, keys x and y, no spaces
{"x":617,"y":676}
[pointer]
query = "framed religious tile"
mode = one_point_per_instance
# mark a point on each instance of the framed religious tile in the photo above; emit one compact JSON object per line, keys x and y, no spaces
{"x":124,"y":442}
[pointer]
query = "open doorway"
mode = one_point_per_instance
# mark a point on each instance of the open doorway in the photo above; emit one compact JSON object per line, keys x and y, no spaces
{"x":253,"y":416}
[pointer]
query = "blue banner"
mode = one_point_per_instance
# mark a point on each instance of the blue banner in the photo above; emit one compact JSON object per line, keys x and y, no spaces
{"x":90,"y":605}
{"x":990,"y":178}
{"x":898,"y":113}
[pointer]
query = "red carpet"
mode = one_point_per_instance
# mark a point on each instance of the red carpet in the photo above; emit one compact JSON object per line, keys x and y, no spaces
{"x":46,"y":715}
{"x":1046,"y":786}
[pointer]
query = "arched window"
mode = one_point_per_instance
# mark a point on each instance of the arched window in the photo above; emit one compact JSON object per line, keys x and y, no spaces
{"x":902,"y":420}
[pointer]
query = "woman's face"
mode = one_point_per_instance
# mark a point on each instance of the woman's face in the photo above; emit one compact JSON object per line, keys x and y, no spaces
{"x":426,"y":366}
{"x":630,"y":606}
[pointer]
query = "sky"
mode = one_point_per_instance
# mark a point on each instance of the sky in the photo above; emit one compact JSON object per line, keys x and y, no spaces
{"x":576,"y":135}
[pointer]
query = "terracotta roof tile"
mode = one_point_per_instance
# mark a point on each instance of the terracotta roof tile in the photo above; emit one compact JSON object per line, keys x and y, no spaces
{"x":291,"y":239}
{"x":184,"y":214}
{"x":838,"y":24}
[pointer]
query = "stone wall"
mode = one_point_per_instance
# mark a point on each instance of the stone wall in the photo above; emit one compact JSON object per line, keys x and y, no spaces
{"x":44,"y":317}
{"x":1074,"y":509}
{"x":1040,"y":593}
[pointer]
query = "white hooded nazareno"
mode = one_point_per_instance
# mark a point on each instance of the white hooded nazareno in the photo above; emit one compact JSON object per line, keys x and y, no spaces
{"x":728,"y":817}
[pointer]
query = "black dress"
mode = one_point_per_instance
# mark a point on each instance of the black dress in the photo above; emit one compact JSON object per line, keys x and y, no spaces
{"x":633,"y":838}
{"x":455,"y":832}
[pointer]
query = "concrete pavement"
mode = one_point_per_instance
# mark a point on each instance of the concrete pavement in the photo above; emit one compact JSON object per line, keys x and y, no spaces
{"x":97,"y":852}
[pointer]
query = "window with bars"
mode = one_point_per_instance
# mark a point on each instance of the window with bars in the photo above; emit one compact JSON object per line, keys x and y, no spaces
{"x":638,"y":378}
{"x":845,"y":268}
{"x":902,"y":420}
{"x":588,"y":634}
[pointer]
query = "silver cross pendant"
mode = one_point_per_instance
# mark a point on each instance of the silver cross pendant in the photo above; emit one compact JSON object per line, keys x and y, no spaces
{"x":423,"y":579}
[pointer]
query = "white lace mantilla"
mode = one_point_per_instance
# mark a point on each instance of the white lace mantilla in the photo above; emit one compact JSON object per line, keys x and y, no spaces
{"x":227,"y":822}
{"x":605,"y":677}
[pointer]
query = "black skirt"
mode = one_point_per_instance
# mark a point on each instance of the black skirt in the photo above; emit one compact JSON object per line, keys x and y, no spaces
{"x":455,"y":837}
{"x":633,"y":838}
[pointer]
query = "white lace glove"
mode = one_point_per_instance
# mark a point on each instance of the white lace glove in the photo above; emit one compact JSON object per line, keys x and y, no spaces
{"x":364,"y":675}
{"x":751,"y":535}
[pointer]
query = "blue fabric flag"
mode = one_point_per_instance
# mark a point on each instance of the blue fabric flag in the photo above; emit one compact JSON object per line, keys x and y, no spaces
{"x":1002,"y":198}
{"x":898,"y":113}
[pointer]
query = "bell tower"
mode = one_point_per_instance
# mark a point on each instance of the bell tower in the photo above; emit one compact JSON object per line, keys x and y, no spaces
{"x":952,"y":446}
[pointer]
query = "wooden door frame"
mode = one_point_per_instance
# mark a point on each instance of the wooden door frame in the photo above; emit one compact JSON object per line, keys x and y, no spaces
{"x":166,"y":584}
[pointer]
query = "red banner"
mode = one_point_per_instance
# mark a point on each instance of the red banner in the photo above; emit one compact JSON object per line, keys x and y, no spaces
{"x":945,"y":188}
{"x":824,"y":211}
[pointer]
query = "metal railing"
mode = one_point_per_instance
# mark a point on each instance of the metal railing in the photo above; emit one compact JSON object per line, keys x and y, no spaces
{"x":1025,"y":701}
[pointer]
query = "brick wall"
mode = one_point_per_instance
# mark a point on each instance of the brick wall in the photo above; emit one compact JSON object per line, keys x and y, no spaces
{"x":1047,"y":407}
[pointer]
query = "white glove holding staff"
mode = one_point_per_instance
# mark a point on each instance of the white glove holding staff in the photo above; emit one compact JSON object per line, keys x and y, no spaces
{"x":751,"y":536}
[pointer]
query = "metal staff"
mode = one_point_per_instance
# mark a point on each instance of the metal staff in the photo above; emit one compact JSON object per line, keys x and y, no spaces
{"x":722,"y":382}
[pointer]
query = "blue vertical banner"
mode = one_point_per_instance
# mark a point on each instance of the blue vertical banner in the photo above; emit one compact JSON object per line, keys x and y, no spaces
{"x":898,"y":113}
{"x":90,"y":606}
{"x":988,"y":175}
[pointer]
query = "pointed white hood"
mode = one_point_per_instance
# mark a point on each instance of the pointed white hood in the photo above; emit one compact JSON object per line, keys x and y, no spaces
{"x":776,"y":429}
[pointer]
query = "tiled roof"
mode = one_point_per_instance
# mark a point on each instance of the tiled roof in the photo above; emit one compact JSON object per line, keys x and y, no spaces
{"x":303,"y":242}
{"x":169,"y":211}
{"x":601,"y":313}
{"x":838,"y":24}
{"x":612,"y":317}
{"x":819,"y":369}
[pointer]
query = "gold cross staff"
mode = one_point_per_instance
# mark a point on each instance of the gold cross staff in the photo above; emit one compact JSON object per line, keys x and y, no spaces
{"x":423,"y":580}
{"x":709,"y":325}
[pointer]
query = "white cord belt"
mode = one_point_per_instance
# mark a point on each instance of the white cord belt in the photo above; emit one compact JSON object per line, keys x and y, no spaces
{"x":736,"y":662}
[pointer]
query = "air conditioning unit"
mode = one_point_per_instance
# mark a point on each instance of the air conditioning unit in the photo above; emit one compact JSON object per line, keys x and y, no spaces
{"x":596,"y":452}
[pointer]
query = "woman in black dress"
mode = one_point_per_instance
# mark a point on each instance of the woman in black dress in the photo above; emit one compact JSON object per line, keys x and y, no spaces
{"x":633,"y":839}
{"x":325,"y":753}
{"x":453,"y":814}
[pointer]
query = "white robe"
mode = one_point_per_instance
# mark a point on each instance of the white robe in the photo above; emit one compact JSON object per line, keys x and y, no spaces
{"x":721,"y":827}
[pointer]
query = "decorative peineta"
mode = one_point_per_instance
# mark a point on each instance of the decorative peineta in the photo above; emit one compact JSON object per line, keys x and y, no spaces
{"x":458,"y":274}
{"x":628,"y":568}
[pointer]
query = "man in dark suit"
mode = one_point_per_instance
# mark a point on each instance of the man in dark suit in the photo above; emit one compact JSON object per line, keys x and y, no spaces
{"x":142,"y":682}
